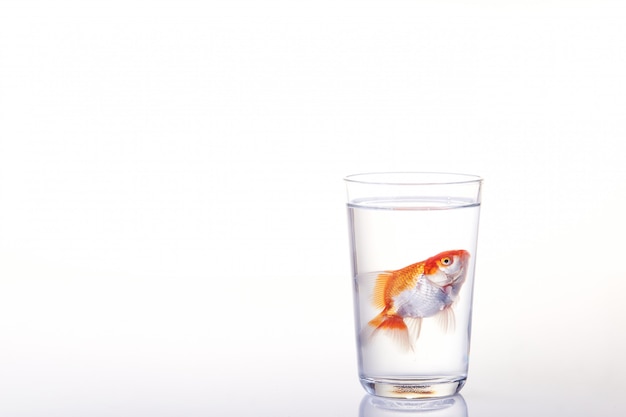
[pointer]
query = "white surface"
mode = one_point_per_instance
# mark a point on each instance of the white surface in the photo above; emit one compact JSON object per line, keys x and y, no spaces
{"x":172,"y":225}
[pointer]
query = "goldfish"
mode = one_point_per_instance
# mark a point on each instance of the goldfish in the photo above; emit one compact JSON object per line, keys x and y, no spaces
{"x":424,"y":289}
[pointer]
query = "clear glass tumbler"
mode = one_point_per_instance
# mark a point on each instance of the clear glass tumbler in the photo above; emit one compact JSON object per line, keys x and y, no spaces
{"x":413,"y":247}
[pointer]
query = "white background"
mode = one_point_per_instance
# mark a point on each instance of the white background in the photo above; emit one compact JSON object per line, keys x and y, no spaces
{"x":173,"y":234}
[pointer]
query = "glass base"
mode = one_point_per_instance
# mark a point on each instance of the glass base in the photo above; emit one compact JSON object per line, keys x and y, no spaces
{"x":413,"y":388}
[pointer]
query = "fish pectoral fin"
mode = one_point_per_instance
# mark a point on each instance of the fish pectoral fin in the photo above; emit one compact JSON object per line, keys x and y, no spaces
{"x":446,"y":319}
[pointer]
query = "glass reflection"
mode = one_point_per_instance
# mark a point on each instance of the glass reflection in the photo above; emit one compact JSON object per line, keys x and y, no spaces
{"x":372,"y":406}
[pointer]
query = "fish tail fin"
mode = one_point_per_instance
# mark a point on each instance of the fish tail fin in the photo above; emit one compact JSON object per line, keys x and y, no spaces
{"x":393,"y":326}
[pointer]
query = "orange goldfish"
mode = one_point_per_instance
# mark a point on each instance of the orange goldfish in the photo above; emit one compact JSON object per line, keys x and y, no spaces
{"x":423,"y":289}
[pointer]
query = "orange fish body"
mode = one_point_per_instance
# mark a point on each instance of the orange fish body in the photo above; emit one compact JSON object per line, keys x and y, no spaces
{"x":420,"y":290}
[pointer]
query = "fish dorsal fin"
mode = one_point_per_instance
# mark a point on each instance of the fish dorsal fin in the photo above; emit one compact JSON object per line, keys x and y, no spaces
{"x":380,"y":289}
{"x":391,"y":283}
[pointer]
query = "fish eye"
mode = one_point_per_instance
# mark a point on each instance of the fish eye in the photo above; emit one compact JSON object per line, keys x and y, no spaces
{"x":446,"y":261}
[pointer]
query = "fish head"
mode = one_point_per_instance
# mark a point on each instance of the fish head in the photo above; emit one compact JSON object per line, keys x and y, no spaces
{"x":447,"y":267}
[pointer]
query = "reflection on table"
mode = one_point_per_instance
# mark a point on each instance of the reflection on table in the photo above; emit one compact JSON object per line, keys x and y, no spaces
{"x":372,"y":406}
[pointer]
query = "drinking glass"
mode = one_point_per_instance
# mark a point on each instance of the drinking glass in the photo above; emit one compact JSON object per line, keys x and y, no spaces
{"x":413,"y":242}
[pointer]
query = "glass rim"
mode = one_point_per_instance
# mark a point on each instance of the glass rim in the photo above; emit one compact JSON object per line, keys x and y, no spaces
{"x":411,"y":178}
